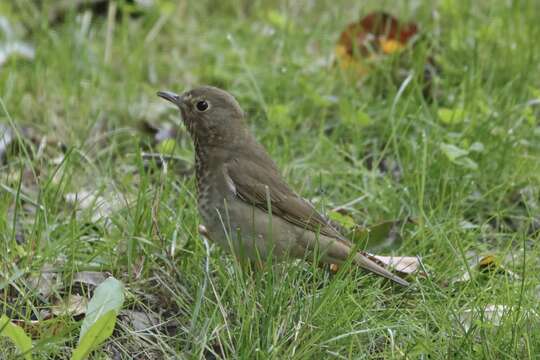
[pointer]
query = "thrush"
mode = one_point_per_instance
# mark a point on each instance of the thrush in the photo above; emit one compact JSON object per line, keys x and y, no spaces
{"x":245,"y":204}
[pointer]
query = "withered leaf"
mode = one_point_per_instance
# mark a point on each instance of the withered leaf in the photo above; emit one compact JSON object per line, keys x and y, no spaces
{"x":376,"y":34}
{"x":74,"y":305}
{"x":92,"y":278}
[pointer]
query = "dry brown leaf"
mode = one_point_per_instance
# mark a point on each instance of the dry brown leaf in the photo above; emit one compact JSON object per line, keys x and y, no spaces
{"x":46,"y":282}
{"x":492,"y":314}
{"x":92,"y":278}
{"x":74,"y":305}
{"x":401,"y":264}
{"x":101,"y":206}
{"x":376,"y":34}
{"x":140,"y":321}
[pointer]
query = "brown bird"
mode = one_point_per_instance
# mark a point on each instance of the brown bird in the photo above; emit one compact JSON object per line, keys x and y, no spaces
{"x":245,"y":204}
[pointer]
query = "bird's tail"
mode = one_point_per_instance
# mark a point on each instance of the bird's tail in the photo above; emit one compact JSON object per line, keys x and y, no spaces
{"x":338,"y":250}
{"x":369,"y":265}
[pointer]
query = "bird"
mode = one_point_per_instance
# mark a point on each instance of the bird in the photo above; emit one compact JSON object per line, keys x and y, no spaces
{"x":245,"y":204}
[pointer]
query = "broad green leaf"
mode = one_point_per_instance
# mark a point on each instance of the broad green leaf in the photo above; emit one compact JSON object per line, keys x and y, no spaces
{"x":352,"y":115}
{"x":529,"y":115}
{"x":363,"y":118}
{"x":451,"y":116}
{"x":167,"y":146}
{"x":376,"y":236}
{"x":535,"y":92}
{"x":466,"y":162}
{"x":166,"y":7}
{"x":280,"y":114}
{"x":277,"y":19}
{"x":17,"y":335}
{"x":477,"y":147}
{"x":458,"y":156}
{"x":109,"y":295}
{"x":98,"y":332}
{"x":344,"y":220}
{"x":453,"y":152}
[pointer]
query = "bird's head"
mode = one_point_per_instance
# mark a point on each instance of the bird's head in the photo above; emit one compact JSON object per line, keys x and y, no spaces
{"x":212,"y":116}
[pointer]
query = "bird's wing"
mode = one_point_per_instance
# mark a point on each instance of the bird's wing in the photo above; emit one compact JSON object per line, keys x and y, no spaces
{"x":263,"y":186}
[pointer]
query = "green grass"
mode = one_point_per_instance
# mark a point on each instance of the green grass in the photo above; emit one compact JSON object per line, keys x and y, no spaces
{"x":94,"y":80}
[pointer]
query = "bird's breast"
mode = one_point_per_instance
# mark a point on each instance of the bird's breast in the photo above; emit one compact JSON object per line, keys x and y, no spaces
{"x":214,"y":189}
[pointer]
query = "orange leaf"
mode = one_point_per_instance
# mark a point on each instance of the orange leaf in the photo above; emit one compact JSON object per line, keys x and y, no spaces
{"x":378,"y":33}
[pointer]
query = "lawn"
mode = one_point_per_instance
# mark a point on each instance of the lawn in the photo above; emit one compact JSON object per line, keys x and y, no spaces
{"x":454,"y":171}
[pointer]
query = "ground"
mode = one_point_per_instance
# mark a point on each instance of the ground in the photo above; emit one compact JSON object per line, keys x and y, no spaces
{"x":456,"y":166}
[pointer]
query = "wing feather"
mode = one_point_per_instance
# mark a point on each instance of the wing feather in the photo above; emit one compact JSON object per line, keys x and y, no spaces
{"x":255,"y":184}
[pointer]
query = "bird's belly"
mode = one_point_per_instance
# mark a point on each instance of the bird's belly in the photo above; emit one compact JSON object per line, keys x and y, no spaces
{"x":247,"y":231}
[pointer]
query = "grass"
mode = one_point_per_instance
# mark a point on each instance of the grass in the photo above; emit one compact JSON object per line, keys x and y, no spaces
{"x":93,"y":80}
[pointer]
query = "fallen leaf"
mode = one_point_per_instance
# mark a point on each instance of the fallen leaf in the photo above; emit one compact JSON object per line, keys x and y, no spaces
{"x":402,"y":264}
{"x":92,"y":278}
{"x":490,"y":315}
{"x":139,"y":321}
{"x":74,"y":305}
{"x":102,"y":207}
{"x":90,"y":200}
{"x":376,"y":32}
{"x":46,"y":282}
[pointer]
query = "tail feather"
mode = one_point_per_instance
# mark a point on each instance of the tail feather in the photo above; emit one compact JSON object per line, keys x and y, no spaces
{"x":337,"y":251}
{"x":375,"y":268}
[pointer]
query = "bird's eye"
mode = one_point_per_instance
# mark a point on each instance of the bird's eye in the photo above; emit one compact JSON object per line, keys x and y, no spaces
{"x":202,"y":105}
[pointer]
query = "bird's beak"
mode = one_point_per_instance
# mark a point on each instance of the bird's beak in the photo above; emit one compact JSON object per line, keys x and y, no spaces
{"x":172,"y":97}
